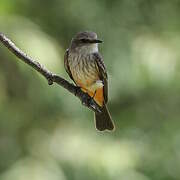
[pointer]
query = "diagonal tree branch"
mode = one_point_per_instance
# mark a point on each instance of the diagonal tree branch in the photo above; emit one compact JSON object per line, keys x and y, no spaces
{"x":51,"y":78}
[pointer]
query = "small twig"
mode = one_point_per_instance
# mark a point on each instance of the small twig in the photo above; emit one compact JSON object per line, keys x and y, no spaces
{"x":84,"y":97}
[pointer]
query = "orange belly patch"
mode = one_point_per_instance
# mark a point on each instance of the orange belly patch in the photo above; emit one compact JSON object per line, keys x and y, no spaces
{"x":98,"y":95}
{"x":86,"y":86}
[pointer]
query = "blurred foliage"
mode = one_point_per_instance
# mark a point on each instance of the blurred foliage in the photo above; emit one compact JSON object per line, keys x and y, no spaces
{"x":45,"y":132}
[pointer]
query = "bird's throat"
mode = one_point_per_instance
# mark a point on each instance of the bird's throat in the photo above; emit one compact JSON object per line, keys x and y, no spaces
{"x":87,"y":49}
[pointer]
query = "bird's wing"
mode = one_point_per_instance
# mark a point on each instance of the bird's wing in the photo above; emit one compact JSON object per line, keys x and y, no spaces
{"x":102,"y":74}
{"x":66,"y":64}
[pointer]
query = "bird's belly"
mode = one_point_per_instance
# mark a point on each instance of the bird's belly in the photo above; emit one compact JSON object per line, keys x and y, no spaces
{"x":84,"y":77}
{"x":84,"y":73}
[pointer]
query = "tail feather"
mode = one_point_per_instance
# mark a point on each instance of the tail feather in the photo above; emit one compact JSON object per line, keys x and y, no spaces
{"x":103,"y":120}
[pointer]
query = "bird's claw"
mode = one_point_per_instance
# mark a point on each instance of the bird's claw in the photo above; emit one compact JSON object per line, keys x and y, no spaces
{"x":77,"y":89}
{"x":89,"y":101}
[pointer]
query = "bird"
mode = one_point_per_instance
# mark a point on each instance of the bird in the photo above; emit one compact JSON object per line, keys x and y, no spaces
{"x":85,"y":66}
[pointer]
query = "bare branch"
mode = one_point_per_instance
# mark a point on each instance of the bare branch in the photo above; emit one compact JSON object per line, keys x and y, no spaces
{"x":84,"y":97}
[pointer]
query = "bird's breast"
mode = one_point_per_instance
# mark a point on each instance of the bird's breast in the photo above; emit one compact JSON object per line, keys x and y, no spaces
{"x":83,"y":69}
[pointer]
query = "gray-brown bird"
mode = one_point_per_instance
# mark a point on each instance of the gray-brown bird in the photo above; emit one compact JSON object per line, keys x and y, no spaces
{"x":86,"y":68}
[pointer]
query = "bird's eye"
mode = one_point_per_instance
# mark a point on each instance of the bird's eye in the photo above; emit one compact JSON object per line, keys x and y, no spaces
{"x":84,"y":40}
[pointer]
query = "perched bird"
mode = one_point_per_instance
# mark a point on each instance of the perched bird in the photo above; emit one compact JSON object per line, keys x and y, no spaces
{"x":86,"y":68}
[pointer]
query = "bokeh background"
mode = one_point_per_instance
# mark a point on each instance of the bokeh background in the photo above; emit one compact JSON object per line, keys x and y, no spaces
{"x":45,"y":132}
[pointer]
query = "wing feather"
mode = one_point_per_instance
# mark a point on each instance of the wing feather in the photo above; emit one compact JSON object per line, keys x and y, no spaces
{"x":66,"y":64}
{"x":102,"y":74}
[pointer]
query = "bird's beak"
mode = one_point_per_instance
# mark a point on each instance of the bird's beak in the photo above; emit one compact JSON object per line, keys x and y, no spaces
{"x":96,"y":41}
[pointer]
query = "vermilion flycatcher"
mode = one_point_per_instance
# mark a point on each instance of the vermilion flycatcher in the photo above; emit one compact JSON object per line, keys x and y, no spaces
{"x":86,"y":68}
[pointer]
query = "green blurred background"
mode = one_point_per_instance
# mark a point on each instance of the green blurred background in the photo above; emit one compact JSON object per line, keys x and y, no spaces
{"x":45,"y":132}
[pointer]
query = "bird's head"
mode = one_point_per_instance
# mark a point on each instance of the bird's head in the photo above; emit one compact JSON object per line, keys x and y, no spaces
{"x":85,"y":41}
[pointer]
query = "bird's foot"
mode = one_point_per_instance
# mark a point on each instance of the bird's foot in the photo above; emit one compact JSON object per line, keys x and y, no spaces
{"x":86,"y":99}
{"x":77,"y":90}
{"x":89,"y":101}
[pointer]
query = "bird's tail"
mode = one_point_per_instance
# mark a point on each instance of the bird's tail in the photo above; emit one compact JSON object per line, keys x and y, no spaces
{"x":103,"y":120}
